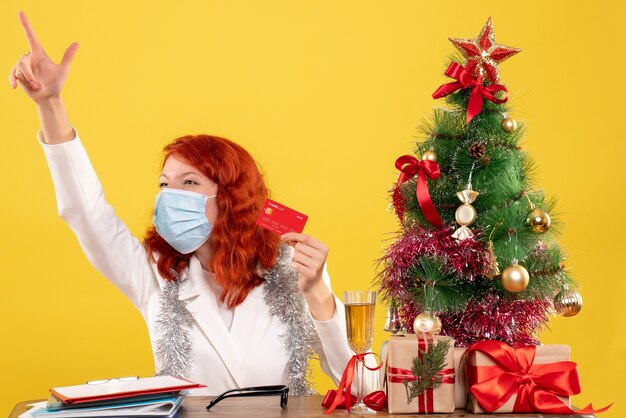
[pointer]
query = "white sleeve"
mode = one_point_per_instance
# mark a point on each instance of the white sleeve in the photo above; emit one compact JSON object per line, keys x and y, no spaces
{"x":107,"y":242}
{"x":335,"y":352}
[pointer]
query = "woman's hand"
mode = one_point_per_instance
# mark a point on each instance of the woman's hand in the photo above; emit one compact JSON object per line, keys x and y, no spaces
{"x":308,"y":260}
{"x":35,"y":72}
{"x":43,"y":80}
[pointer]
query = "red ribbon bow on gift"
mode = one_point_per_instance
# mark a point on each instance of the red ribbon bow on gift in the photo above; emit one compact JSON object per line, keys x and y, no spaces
{"x":345,"y":384}
{"x":399,"y":375}
{"x":537,"y":386}
{"x":426,"y":400}
{"x":464,"y":79}
{"x":409,"y":166}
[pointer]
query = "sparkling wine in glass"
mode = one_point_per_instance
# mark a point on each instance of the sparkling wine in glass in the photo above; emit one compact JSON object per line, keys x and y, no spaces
{"x":359,"y":306}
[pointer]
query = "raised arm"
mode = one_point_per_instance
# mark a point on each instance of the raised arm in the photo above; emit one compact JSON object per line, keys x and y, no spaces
{"x":42,"y":80}
{"x":106,"y":240}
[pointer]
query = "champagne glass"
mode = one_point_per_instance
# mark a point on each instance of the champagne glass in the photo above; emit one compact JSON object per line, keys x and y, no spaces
{"x":360,"y":325}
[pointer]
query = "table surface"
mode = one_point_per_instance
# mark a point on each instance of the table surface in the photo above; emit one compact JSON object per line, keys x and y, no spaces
{"x":298,"y":406}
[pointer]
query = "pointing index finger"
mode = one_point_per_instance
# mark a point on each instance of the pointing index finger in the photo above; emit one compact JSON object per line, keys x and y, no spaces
{"x":33,"y":42}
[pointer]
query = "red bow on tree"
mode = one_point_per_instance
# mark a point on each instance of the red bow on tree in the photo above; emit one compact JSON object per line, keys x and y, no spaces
{"x":464,"y":79}
{"x":537,"y":386}
{"x":409,"y":166}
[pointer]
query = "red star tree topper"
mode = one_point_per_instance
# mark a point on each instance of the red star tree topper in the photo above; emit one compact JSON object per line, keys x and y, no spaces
{"x":483,"y":54}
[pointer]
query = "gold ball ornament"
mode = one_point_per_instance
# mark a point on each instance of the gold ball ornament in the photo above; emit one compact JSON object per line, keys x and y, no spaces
{"x":430,"y":155}
{"x":539,"y":220}
{"x":426,"y":324}
{"x":508,"y":125}
{"x":568,"y":303}
{"x":514,"y":278}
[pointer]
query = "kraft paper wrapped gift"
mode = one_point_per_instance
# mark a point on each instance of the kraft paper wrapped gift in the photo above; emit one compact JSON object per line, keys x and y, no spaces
{"x":460,"y":392}
{"x":545,"y":354}
{"x":400,"y":352}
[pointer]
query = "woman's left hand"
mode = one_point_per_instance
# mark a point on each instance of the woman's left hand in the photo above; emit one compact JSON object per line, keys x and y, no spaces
{"x":308,"y":260}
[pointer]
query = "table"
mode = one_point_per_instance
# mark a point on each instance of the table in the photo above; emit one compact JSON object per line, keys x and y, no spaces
{"x":298,"y":406}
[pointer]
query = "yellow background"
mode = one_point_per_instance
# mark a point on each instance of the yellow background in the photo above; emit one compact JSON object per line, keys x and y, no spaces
{"x":325,"y":95}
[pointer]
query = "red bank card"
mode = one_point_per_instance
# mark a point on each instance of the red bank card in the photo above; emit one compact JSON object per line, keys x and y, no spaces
{"x":280,"y":219}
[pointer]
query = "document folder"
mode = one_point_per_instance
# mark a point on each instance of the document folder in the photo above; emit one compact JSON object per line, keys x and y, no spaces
{"x":120,"y":389}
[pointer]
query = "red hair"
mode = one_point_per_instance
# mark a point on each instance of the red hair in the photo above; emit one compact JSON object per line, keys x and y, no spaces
{"x":239,"y":246}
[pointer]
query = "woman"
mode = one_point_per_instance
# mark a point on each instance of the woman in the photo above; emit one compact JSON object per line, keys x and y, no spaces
{"x":226,"y":302}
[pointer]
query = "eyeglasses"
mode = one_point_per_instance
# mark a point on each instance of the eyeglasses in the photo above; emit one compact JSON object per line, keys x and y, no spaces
{"x":281,"y":390}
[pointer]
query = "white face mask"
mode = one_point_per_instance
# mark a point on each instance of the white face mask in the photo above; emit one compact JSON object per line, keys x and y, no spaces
{"x":180,"y":218}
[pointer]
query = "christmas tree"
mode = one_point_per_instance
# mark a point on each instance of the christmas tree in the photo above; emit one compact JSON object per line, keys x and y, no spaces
{"x":476,"y":257}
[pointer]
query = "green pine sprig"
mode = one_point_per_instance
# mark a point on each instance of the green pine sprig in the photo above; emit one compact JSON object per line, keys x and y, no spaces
{"x":427,"y":366}
{"x":435,"y":286}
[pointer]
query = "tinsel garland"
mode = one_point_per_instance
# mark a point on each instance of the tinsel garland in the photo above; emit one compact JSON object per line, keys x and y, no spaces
{"x":173,"y":325}
{"x":492,"y":316}
{"x":281,"y":294}
{"x":285,"y":301}
{"x":467,"y":258}
{"x":495,"y":317}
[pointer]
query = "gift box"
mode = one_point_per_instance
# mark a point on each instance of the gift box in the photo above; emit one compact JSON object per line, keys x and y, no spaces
{"x":400,"y":352}
{"x":504,"y":379}
{"x":460,"y":391}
